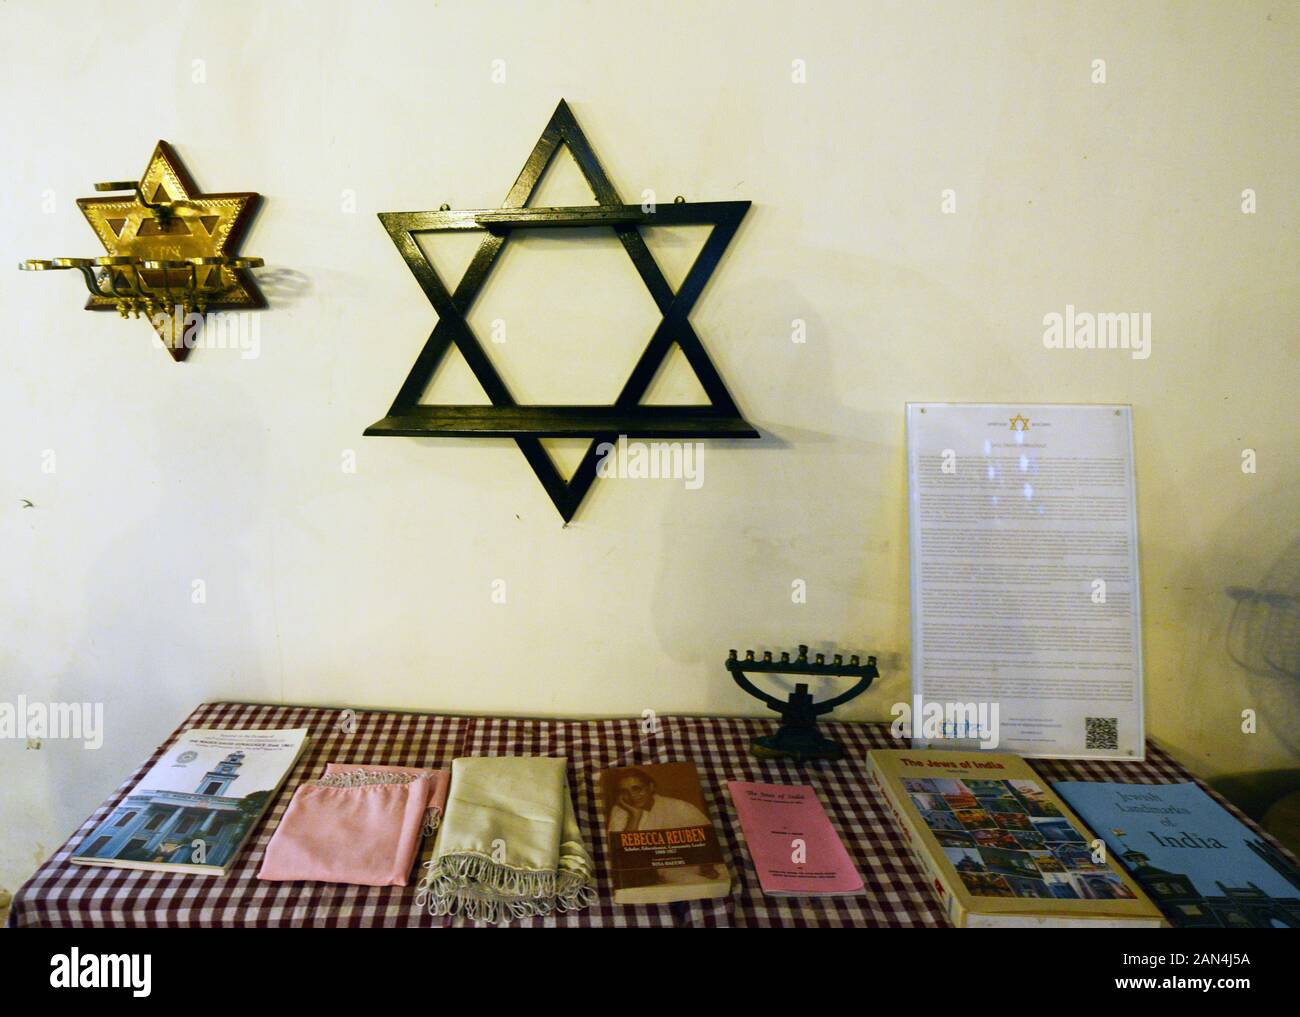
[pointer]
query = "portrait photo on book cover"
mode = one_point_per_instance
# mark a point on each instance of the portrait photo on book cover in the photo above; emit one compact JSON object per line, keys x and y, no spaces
{"x":636,"y":800}
{"x":665,"y":796}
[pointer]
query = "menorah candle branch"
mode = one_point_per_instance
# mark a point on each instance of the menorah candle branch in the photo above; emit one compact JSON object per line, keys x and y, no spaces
{"x":170,"y":250}
{"x":797,"y":738}
{"x":150,"y":286}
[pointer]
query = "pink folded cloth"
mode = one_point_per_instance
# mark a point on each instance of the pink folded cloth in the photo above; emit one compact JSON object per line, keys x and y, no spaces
{"x":440,"y":781}
{"x":357,"y":824}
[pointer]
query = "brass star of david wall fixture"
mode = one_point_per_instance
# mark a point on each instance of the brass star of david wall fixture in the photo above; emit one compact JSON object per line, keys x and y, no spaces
{"x":528,"y":424}
{"x":171,"y":248}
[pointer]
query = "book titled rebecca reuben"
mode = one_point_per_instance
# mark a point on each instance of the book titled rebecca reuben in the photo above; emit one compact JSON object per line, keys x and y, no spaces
{"x":792,"y":843}
{"x":661,"y":841}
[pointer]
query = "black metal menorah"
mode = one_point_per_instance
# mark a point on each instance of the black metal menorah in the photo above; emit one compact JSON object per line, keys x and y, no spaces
{"x":797,"y":738}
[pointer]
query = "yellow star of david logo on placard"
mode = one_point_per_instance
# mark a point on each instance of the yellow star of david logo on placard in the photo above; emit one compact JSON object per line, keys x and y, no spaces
{"x":1022,"y":421}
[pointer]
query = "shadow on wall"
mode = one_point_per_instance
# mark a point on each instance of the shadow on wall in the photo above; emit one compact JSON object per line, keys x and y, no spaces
{"x":283,"y":286}
{"x":1264,"y":632}
{"x":1264,"y":641}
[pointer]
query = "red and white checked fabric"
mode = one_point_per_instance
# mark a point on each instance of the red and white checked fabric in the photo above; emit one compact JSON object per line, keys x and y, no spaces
{"x":64,"y":895}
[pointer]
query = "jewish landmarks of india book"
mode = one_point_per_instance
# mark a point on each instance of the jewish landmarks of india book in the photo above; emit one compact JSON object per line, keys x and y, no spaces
{"x":998,"y":847}
{"x":1193,"y":858}
{"x":662,"y":844}
{"x":196,"y":806}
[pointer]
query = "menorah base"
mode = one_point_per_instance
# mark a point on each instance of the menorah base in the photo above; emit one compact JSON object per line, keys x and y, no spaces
{"x":797,"y":743}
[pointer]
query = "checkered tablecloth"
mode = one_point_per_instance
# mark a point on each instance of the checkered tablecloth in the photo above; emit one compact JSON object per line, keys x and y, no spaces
{"x":65,"y":895}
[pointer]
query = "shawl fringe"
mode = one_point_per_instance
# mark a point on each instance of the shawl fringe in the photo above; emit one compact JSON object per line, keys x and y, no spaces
{"x":476,"y":887}
{"x":432,"y":820}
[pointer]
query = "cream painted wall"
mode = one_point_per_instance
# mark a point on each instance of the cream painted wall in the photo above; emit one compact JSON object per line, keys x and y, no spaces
{"x":374,"y":588}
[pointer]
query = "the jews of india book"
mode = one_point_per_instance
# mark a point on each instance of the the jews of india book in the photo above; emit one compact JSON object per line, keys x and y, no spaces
{"x":998,"y":847}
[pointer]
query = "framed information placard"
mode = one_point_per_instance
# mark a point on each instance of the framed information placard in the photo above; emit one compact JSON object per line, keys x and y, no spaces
{"x":1026,"y":615}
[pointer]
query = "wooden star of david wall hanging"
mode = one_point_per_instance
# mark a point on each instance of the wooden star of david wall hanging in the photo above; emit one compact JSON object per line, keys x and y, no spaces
{"x":528,"y":424}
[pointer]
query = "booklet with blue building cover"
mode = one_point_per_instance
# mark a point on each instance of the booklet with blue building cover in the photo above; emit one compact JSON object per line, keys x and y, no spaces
{"x":1202,"y":866}
{"x":195,"y":807}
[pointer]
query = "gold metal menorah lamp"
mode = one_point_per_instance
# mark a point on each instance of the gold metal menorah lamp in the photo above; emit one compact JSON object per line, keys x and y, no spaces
{"x":171,"y":251}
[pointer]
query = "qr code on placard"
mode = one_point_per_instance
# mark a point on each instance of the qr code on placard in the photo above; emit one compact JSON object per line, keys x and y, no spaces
{"x":1100,"y":733}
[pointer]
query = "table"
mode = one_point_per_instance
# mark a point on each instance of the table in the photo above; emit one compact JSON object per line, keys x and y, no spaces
{"x":63,"y":895}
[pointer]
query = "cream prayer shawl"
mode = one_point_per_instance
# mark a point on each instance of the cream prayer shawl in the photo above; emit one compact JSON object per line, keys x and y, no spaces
{"x":509,"y":845}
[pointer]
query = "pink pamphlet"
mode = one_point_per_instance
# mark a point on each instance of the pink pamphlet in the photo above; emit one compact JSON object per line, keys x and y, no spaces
{"x":792,"y":843}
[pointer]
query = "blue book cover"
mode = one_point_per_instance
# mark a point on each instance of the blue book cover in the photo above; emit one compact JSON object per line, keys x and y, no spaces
{"x":1200,"y":865}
